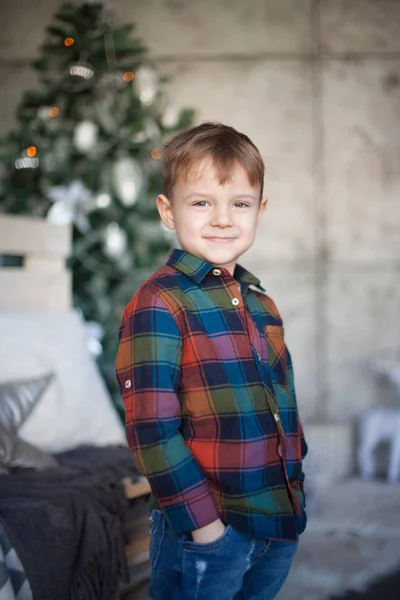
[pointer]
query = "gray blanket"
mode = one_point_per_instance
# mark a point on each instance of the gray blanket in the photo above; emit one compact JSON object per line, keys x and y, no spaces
{"x":65,"y":524}
{"x":14,"y":584}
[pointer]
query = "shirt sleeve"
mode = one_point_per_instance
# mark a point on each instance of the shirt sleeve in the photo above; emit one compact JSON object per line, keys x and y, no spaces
{"x":148,"y":372}
{"x":290,"y":381}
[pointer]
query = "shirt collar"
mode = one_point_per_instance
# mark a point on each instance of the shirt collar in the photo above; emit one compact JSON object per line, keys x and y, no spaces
{"x":197,"y":269}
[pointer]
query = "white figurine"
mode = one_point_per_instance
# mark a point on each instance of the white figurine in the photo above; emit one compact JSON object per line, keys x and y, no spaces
{"x":378,"y":425}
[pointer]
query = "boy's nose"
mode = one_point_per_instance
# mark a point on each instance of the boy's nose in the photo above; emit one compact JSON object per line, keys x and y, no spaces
{"x":221,"y":218}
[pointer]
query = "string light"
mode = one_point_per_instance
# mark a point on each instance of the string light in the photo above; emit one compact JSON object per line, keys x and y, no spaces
{"x":156,"y":153}
{"x":128,"y":76}
{"x":54,"y":111}
{"x":31,"y":151}
{"x":69,"y":41}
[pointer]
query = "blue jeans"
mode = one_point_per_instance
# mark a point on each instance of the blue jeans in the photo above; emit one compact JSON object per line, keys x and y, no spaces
{"x":233,"y":567}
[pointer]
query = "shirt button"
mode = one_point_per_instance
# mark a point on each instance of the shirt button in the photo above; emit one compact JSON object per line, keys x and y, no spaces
{"x":235,"y":301}
{"x":128,"y":384}
{"x":216,"y":272}
{"x":258,"y":356}
{"x":276,"y":417}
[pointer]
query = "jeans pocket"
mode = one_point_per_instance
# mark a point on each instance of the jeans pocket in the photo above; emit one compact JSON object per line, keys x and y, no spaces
{"x":157,"y":533}
{"x":209,"y":546}
{"x":267,"y":547}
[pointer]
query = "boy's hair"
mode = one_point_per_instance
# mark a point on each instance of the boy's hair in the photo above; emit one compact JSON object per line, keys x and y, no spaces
{"x":223,"y":144}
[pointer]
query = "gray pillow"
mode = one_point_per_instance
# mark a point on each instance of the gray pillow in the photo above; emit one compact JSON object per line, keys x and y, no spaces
{"x":19,"y":398}
{"x":15,"y":452}
{"x":17,"y":401}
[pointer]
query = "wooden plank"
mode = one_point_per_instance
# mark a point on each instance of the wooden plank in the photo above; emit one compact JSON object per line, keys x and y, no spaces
{"x":138,"y":546}
{"x":135,"y":489}
{"x":38,"y":262}
{"x":20,"y":235}
{"x":138,"y":559}
{"x":24,"y":289}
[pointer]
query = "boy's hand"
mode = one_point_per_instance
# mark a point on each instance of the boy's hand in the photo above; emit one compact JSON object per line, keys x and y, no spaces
{"x":208,"y":533}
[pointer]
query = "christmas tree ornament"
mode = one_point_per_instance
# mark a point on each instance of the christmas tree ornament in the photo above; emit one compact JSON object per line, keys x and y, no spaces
{"x":145,"y":84}
{"x":103,"y":200}
{"x":170,"y":117}
{"x":43,"y":113}
{"x":81,"y":70}
{"x":27,"y":162}
{"x":79,"y":77}
{"x":86,"y":135}
{"x":139,"y":138}
{"x":115,"y":241}
{"x":128,"y":180}
{"x":71,"y":205}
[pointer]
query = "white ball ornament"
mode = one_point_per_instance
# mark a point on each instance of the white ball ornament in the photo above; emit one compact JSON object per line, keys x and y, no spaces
{"x":103,"y":200}
{"x":44,"y":113}
{"x":170,"y":116}
{"x":116,"y":241}
{"x":86,"y":136}
{"x":145,"y":83}
{"x":128,"y":180}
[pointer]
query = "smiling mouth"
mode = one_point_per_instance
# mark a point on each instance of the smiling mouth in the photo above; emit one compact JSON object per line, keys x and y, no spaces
{"x":220,"y":240}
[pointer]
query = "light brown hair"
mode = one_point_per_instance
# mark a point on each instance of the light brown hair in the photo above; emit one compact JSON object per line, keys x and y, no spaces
{"x":226,"y":147}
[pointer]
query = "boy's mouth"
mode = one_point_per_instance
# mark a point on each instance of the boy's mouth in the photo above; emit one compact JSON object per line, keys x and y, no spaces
{"x":220,"y":240}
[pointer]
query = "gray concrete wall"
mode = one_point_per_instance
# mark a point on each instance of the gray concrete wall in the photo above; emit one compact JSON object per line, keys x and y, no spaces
{"x":316,"y":85}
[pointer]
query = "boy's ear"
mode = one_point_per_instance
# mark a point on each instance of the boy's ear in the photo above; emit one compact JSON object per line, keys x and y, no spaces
{"x":263,"y":206}
{"x":165,"y":211}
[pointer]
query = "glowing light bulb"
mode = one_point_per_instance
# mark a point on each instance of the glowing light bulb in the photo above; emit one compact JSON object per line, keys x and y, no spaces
{"x":54,"y":111}
{"x":31,"y":151}
{"x":156,"y":153}
{"x":128,"y":76}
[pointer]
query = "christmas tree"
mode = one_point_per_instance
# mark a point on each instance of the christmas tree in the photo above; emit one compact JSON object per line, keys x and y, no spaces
{"x":86,"y":151}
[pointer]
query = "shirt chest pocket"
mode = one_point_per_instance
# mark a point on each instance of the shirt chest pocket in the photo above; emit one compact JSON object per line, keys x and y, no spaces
{"x":276,"y":349}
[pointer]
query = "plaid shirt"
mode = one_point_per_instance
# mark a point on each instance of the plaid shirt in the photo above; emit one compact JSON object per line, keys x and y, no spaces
{"x":210,"y":406}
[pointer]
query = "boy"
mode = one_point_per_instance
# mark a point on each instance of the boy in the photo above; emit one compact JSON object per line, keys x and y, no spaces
{"x":207,"y":384}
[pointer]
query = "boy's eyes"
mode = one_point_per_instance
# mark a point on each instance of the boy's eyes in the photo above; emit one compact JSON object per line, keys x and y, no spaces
{"x":204,"y":202}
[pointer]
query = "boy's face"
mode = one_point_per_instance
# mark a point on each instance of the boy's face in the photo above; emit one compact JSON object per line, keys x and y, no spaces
{"x":216,"y":223}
